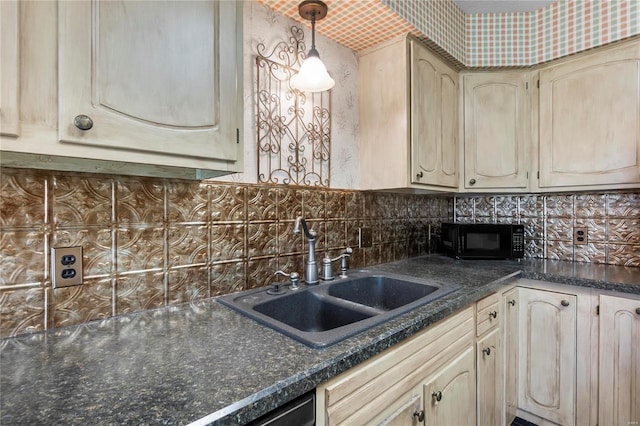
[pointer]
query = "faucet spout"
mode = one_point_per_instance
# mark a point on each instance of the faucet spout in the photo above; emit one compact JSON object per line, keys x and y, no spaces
{"x":307,"y":233}
{"x":311,"y":267}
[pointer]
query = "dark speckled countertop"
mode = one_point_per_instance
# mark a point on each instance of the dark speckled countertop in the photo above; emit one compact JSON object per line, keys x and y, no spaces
{"x":204,"y":362}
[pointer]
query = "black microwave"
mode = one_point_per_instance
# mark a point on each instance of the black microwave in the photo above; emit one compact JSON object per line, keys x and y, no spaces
{"x":483,"y":240}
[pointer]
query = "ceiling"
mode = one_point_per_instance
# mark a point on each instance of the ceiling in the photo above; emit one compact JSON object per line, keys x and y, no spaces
{"x":471,"y":7}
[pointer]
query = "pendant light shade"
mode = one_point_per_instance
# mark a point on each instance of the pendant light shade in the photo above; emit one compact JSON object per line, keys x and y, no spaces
{"x":313,"y":75}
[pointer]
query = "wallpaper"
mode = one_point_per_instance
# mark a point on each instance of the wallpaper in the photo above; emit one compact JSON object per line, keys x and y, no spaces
{"x":441,"y":22}
{"x":263,"y":25}
{"x":479,"y":40}
{"x":560,"y":29}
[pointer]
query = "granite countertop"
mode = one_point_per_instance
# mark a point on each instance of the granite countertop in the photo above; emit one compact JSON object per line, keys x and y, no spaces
{"x":204,"y":362}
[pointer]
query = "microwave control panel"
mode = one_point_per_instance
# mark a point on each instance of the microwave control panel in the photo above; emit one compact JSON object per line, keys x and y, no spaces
{"x":517,"y":240}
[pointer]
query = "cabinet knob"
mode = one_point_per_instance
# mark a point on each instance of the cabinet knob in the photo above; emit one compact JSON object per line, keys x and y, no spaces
{"x":420,"y":175}
{"x":486,"y":351}
{"x":512,"y":302}
{"x":437,"y":395}
{"x":493,"y":314}
{"x":83,"y":122}
{"x":565,"y":303}
{"x":638,"y":311}
{"x":472,"y":182}
{"x":419,"y":414}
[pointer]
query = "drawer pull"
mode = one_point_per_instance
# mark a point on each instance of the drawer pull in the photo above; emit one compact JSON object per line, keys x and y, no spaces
{"x":512,"y":302}
{"x":486,"y":351}
{"x":493,"y":314}
{"x":472,"y":182}
{"x":419,"y":175}
{"x":565,"y":303}
{"x":437,"y":395}
{"x":419,"y":415}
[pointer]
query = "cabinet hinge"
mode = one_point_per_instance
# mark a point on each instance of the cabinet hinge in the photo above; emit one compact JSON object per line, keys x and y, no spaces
{"x":527,"y":175}
{"x":526,"y":85}
{"x":538,"y":84}
{"x":538,"y":174}
{"x":598,"y":310}
{"x":237,"y":135}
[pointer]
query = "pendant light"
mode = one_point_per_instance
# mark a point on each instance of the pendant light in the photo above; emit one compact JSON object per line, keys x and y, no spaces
{"x":313,"y":75}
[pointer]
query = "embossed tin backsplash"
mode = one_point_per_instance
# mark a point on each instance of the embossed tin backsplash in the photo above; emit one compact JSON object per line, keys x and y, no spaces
{"x":612,"y":221}
{"x":153,"y":242}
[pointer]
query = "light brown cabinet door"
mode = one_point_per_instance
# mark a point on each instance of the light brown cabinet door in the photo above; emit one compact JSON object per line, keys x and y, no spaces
{"x":489,"y":367}
{"x":497,"y":114}
{"x":619,"y":372}
{"x":547,"y":364}
{"x":155,"y":76}
{"x":9,"y":67}
{"x":510,"y":351}
{"x":450,"y":395}
{"x":407,"y":415}
{"x":590,"y":120}
{"x":434,"y":120}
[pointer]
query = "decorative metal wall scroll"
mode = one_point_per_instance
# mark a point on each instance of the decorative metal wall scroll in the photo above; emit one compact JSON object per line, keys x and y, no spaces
{"x":293,"y":127}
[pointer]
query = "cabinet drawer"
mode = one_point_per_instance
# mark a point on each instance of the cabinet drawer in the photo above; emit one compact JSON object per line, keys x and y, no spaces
{"x":487,"y":314}
{"x":368,"y":393}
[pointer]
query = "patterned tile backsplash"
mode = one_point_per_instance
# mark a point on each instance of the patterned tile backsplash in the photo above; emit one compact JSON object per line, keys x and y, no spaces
{"x":149,"y":243}
{"x":612,"y":221}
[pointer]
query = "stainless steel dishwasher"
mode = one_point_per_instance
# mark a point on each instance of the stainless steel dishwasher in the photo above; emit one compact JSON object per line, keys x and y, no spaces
{"x":299,"y":412}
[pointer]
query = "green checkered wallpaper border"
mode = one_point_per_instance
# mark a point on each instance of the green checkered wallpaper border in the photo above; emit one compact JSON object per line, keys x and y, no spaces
{"x":521,"y":39}
{"x":441,"y":21}
{"x":560,"y":29}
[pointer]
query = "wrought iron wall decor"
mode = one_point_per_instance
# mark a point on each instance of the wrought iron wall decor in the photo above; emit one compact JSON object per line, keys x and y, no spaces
{"x":293,"y":127}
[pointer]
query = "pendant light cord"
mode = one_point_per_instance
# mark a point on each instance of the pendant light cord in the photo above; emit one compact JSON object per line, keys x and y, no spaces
{"x":313,"y":31}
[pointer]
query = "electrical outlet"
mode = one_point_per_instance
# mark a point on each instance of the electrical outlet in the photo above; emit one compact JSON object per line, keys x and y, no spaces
{"x":66,"y":266}
{"x":365,"y":237}
{"x":580,"y":235}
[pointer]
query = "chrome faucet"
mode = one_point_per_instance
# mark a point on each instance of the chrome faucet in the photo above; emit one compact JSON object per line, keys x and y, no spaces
{"x":327,"y":266}
{"x":311,"y":268}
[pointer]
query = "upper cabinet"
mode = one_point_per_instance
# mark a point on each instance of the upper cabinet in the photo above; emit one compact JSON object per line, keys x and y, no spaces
{"x":141,"y":83}
{"x":497,"y":131}
{"x":149,"y":76}
{"x":9,"y":66}
{"x":408,"y":118}
{"x":434,"y":119}
{"x":590,"y":120}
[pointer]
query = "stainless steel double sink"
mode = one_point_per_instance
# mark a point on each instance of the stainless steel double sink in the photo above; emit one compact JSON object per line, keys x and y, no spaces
{"x":327,"y":313}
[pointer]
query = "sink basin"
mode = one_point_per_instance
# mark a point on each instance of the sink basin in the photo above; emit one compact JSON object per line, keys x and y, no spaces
{"x":381,"y":292}
{"x":325,"y":314}
{"x":309,"y":311}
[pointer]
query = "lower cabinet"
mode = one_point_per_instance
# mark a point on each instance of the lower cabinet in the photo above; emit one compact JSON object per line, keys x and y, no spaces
{"x":547,"y":361}
{"x":489,"y":365}
{"x":400,"y":386}
{"x":489,"y":373}
{"x":450,"y":397}
{"x":412,"y":413}
{"x":540,"y":351}
{"x":619,"y":361}
{"x":510,"y":304}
